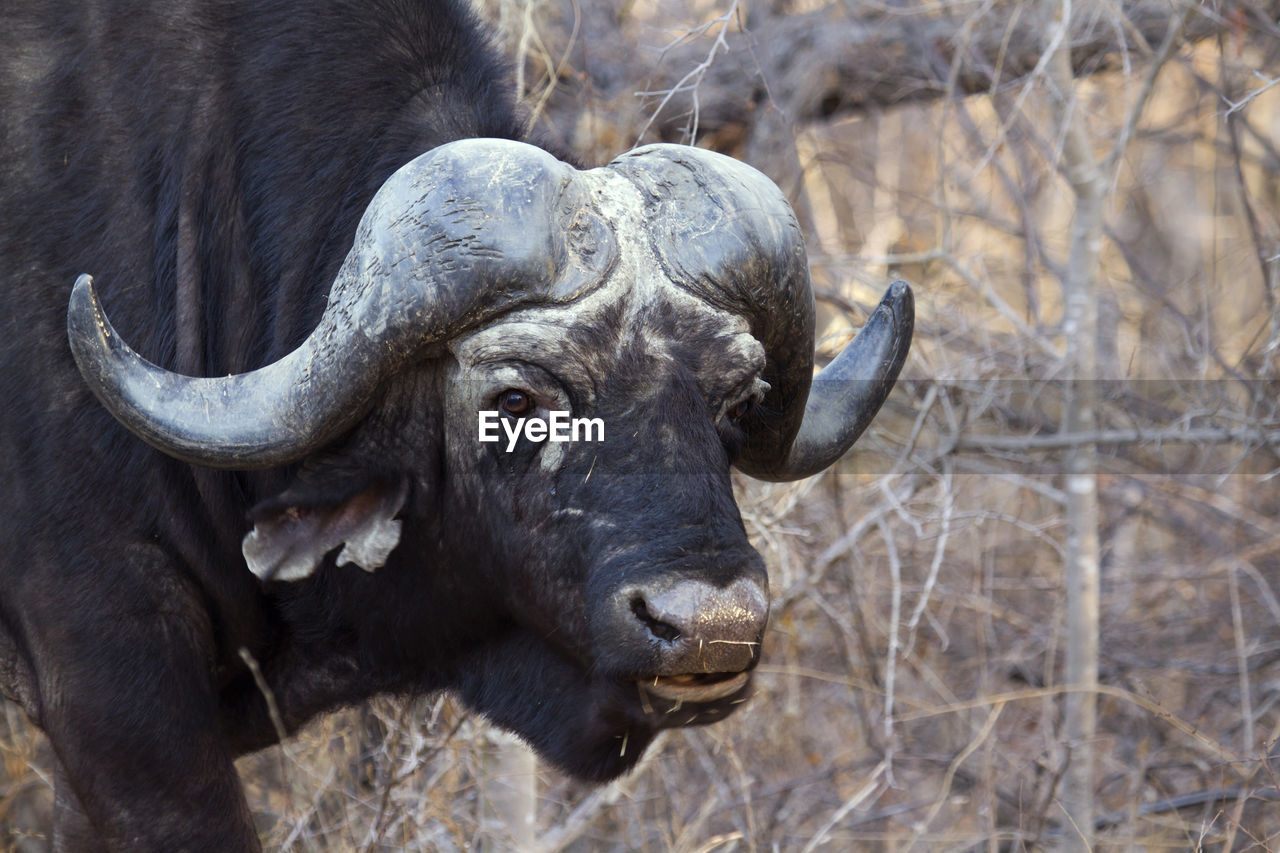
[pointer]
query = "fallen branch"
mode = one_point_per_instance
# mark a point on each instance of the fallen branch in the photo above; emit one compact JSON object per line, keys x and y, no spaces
{"x":825,"y":64}
{"x":1057,"y":441}
{"x":1186,"y":801}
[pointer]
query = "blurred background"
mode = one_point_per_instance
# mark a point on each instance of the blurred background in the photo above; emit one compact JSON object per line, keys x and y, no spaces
{"x":1038,"y":607}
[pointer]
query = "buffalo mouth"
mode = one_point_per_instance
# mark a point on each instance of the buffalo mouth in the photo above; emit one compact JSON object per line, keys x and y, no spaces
{"x":697,"y":688}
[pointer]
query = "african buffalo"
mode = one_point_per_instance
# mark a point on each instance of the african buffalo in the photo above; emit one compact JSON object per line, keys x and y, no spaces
{"x":329,"y":210}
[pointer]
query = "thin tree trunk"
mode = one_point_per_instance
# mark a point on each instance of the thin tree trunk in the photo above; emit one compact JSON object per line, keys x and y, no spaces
{"x":509,"y":794}
{"x":1080,"y":328}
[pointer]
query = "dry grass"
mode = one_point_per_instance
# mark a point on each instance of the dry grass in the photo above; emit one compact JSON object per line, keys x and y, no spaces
{"x":911,"y":692}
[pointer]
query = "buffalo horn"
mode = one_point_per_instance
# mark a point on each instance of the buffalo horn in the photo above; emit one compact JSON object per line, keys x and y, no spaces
{"x":846,"y":394}
{"x":741,"y":248}
{"x":441,"y":248}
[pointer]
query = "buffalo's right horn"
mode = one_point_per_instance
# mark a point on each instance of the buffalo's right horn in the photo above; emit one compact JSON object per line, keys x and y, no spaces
{"x":459,"y":235}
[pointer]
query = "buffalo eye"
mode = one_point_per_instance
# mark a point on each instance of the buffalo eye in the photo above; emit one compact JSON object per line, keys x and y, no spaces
{"x":739,"y":411}
{"x":515,"y":402}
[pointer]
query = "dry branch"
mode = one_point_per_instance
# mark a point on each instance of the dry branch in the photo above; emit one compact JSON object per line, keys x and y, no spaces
{"x":1247,"y":436}
{"x":825,"y":64}
{"x":1191,"y":800}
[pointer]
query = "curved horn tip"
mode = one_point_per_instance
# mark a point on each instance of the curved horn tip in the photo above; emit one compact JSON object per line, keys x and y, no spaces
{"x":847,"y":394}
{"x":84,"y":302}
{"x":900,"y":299}
{"x":89,"y":332}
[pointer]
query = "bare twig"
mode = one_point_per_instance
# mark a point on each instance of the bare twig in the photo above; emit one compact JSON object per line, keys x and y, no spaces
{"x":692,"y":79}
{"x":1177,"y":24}
{"x":868,"y":788}
{"x":1242,"y":657}
{"x":1190,"y":800}
{"x":895,"y":616}
{"x":1250,"y":436}
{"x":1211,"y":748}
{"x":945,"y":790}
{"x":277,"y":723}
{"x":939,"y":551}
{"x":1266,"y":250}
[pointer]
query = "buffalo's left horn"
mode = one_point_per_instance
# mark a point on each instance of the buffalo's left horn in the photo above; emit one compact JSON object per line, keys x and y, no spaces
{"x":741,"y":247}
{"x":461,"y":234}
{"x":846,"y":394}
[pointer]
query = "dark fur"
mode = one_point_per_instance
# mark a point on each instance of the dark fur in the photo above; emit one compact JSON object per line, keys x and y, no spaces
{"x":208,"y":162}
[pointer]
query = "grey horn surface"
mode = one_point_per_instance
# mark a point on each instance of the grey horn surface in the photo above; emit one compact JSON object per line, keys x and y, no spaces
{"x":846,"y":394}
{"x":457,"y":236}
{"x":741,"y":248}
{"x":479,"y":227}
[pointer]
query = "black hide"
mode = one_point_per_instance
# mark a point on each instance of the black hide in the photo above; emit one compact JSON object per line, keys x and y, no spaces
{"x":208,"y":163}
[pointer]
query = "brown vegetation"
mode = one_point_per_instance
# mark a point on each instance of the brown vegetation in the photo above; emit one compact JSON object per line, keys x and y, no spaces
{"x":914,"y":687}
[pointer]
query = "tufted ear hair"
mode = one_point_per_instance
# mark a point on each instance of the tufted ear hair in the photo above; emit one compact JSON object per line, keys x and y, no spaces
{"x":325,"y":508}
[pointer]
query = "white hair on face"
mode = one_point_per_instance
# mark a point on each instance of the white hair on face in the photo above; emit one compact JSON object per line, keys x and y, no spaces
{"x":636,"y":282}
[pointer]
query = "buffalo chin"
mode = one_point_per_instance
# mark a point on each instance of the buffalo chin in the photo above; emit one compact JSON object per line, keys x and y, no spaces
{"x":593,"y":728}
{"x":619,"y":724}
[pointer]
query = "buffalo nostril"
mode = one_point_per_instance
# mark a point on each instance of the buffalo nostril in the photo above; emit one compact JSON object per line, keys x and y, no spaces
{"x":707,"y":628}
{"x":656,"y":626}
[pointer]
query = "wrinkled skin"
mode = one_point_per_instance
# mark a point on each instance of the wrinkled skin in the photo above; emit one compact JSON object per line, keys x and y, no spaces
{"x":541,"y":539}
{"x":577,"y":522}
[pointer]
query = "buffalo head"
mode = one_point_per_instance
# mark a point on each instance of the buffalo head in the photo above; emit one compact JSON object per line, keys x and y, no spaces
{"x":666,"y":295}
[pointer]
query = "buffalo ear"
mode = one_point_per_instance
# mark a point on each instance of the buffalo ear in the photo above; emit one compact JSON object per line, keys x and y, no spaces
{"x":293,"y":532}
